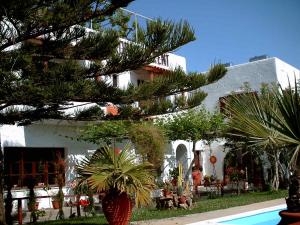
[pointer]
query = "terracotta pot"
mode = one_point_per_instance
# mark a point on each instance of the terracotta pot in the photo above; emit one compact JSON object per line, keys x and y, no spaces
{"x":226,"y":179}
{"x":117,"y":208}
{"x":174,"y":182}
{"x":182,"y":199}
{"x":55,"y":204}
{"x":32,"y":208}
{"x":166,"y":192}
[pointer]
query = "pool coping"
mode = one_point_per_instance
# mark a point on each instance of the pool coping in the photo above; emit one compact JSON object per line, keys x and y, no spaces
{"x":217,"y":221}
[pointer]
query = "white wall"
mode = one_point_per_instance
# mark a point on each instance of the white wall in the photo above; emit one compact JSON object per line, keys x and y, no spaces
{"x":270,"y":70}
{"x":47,"y":134}
{"x":286,"y":73}
{"x":255,"y":73}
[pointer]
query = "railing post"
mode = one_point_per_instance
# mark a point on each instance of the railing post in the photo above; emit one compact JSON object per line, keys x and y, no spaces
{"x":20,"y":218}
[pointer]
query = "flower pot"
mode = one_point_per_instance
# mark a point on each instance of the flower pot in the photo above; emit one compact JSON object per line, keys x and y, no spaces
{"x":182,"y":200}
{"x":226,"y":179}
{"x":55,"y":204}
{"x":174,"y":182}
{"x":33,"y":207}
{"x":166,"y":192}
{"x":117,"y":208}
{"x":206,"y":183}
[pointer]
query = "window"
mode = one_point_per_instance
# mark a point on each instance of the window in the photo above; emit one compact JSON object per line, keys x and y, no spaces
{"x":40,"y":164}
{"x":115,"y":80}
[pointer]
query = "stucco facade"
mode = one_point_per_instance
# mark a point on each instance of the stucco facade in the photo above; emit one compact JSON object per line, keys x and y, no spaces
{"x":56,"y":134}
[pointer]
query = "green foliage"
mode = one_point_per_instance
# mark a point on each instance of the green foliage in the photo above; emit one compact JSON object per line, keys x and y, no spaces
{"x":216,"y":72}
{"x":108,"y":171}
{"x":36,"y":214}
{"x":148,"y":139}
{"x":192,"y":125}
{"x":174,"y":173}
{"x":45,"y":75}
{"x":161,"y":106}
{"x":121,"y":20}
{"x":90,"y":113}
{"x":43,"y":47}
{"x":105,"y":132}
{"x":196,"y":99}
{"x":179,"y":190}
{"x":150,"y":143}
{"x":268,"y":120}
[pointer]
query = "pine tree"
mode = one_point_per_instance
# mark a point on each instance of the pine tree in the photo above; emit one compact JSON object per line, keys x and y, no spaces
{"x":43,"y":45}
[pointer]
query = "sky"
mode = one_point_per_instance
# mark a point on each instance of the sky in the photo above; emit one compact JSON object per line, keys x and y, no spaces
{"x":232,"y":30}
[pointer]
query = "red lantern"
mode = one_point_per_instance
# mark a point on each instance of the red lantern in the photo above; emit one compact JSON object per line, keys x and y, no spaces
{"x":213,"y":159}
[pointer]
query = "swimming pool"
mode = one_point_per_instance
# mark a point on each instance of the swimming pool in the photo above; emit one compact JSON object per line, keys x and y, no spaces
{"x":265,"y":216}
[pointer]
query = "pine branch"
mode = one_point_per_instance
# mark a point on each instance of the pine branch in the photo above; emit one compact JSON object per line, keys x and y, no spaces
{"x":39,"y":31}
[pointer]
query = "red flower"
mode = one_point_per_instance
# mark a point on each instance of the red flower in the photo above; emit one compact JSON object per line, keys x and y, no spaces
{"x":84,"y":202}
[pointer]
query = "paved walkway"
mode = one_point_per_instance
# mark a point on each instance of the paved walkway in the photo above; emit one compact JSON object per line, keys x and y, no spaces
{"x":211,"y":215}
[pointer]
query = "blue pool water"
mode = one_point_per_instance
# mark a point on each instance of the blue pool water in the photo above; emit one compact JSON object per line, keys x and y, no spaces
{"x":267,"y":218}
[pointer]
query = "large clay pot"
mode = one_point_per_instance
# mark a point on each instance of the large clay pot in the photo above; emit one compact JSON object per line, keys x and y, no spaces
{"x":117,"y":208}
{"x":55,"y":204}
{"x":182,"y":200}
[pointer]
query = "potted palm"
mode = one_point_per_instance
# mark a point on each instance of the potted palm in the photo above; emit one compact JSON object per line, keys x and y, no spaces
{"x":121,"y":178}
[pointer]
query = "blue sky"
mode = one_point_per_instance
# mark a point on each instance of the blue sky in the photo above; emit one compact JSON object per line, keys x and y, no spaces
{"x":232,"y":30}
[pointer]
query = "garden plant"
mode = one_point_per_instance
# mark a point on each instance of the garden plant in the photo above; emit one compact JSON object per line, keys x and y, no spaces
{"x":125,"y":182}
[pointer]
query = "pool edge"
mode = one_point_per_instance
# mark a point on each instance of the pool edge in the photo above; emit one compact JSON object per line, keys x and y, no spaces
{"x":217,"y":221}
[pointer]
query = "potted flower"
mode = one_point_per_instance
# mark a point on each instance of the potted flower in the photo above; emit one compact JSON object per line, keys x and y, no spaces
{"x":58,"y":199}
{"x":181,"y":197}
{"x":167,"y":190}
{"x":36,"y":214}
{"x":60,"y":170}
{"x":32,"y":203}
{"x":174,"y":173}
{"x":206,"y":180}
{"x":122,"y":178}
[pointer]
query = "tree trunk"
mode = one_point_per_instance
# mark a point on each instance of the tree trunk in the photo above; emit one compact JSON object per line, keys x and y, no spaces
{"x":196,"y":157}
{"x":2,"y":210}
{"x":275,"y":182}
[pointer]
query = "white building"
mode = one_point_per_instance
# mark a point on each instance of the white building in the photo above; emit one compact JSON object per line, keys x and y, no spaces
{"x":32,"y":150}
{"x":254,"y":73}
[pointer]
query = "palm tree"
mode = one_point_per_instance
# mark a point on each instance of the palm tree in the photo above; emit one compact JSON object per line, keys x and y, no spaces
{"x":251,"y":119}
{"x":121,"y":178}
{"x":270,"y":120}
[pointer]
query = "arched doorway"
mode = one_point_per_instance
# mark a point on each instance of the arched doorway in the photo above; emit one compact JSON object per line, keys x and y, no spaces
{"x":181,"y":156}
